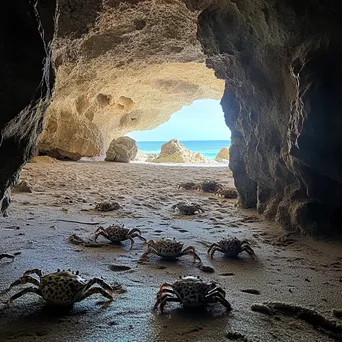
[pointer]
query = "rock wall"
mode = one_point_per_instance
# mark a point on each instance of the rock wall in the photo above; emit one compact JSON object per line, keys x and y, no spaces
{"x":25,"y":89}
{"x":281,"y":62}
{"x":122,"y":66}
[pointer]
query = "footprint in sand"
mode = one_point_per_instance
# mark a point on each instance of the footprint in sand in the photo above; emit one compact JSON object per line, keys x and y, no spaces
{"x":119,"y":268}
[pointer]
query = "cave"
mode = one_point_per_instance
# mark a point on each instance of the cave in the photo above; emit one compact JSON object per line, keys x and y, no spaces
{"x":77,"y":74}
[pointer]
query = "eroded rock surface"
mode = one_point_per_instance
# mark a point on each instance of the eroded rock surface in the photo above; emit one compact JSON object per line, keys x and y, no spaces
{"x":25,"y":89}
{"x":122,"y":66}
{"x":174,"y":152}
{"x":282,"y":102}
{"x":122,"y":150}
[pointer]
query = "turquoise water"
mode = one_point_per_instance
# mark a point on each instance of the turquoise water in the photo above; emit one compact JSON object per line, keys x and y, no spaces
{"x":209,"y":148}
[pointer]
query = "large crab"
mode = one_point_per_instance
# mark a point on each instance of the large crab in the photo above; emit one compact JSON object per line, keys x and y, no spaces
{"x":231,"y":247}
{"x":191,"y":292}
{"x":107,"y":206}
{"x":117,"y":233}
{"x":168,"y":248}
{"x":210,"y":186}
{"x":187,"y":208}
{"x":227,"y":193}
{"x":188,"y":186}
{"x":61,"y":288}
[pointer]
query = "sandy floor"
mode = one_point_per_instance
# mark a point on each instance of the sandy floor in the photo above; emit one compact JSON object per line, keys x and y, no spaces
{"x":299,"y":270}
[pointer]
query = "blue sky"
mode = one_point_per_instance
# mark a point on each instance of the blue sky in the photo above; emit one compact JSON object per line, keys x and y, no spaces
{"x":202,"y":120}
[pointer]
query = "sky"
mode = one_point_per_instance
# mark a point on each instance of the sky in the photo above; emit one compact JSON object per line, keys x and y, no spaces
{"x":202,"y":120}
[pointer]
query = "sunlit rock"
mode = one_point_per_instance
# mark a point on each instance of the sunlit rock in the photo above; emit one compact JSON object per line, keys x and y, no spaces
{"x":122,"y":150}
{"x":223,"y":155}
{"x":174,"y":152}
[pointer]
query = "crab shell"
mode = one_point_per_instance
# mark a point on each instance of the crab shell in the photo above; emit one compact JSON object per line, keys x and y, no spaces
{"x":191,"y":290}
{"x":61,"y":288}
{"x":167,"y":247}
{"x":117,"y":233}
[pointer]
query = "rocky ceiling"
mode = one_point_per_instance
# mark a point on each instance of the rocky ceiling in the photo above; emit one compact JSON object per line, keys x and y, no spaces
{"x":122,"y":66}
{"x":117,"y":61}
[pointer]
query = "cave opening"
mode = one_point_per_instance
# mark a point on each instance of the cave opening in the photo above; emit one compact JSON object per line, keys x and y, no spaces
{"x":199,"y":127}
{"x":122,"y":66}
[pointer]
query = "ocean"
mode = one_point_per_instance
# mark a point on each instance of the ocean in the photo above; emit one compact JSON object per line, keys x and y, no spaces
{"x":209,"y":148}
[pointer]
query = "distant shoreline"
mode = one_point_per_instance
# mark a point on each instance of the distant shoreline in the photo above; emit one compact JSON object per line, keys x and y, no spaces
{"x":208,"y":148}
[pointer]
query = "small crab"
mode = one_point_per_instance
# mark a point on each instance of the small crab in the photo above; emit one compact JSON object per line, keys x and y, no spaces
{"x":227,"y":193}
{"x":188,"y":186}
{"x":210,"y":186}
{"x":117,"y":233}
{"x":187,"y":208}
{"x":61,"y":288}
{"x":191,"y":292}
{"x":231,"y":247}
{"x":168,"y":248}
{"x":107,"y":206}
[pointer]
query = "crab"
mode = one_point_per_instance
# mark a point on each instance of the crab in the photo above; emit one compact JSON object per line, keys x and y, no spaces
{"x":61,"y":288}
{"x":168,"y":248}
{"x":191,"y":292}
{"x":117,"y":233}
{"x":187,"y":208}
{"x":231,"y":247}
{"x":188,"y":186}
{"x":107,"y":206}
{"x":210,"y":186}
{"x":227,"y":193}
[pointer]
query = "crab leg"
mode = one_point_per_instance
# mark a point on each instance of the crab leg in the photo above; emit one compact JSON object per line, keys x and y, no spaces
{"x":23,"y":292}
{"x":144,"y":256}
{"x":191,"y":251}
{"x":99,"y":282}
{"x":36,"y":271}
{"x":24,"y":280}
{"x":161,"y":292}
{"x":101,"y":232}
{"x":138,"y":236}
{"x":92,"y":291}
{"x":218,"y":299}
{"x":249,"y":250}
{"x":217,"y":289}
{"x":134,"y":230}
{"x":163,"y":300}
{"x":213,"y":248}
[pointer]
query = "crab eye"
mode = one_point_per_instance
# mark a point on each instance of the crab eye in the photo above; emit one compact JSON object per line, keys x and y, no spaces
{"x":58,"y":270}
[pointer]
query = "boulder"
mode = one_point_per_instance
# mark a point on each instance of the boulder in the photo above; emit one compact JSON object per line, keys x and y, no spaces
{"x":222,"y":155}
{"x":122,"y":150}
{"x":174,"y":152}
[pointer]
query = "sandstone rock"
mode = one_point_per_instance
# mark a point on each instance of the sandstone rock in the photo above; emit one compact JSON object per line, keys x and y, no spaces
{"x":22,"y":186}
{"x":122,"y":66}
{"x":122,"y":150}
{"x":223,"y":155}
{"x":174,"y":152}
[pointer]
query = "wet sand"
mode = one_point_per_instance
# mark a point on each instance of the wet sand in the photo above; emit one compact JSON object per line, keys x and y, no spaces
{"x":295,"y":270}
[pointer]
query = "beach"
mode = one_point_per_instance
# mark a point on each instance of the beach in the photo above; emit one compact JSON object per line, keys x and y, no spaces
{"x":63,"y":195}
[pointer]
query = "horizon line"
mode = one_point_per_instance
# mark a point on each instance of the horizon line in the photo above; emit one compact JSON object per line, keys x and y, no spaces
{"x":182,"y":140}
